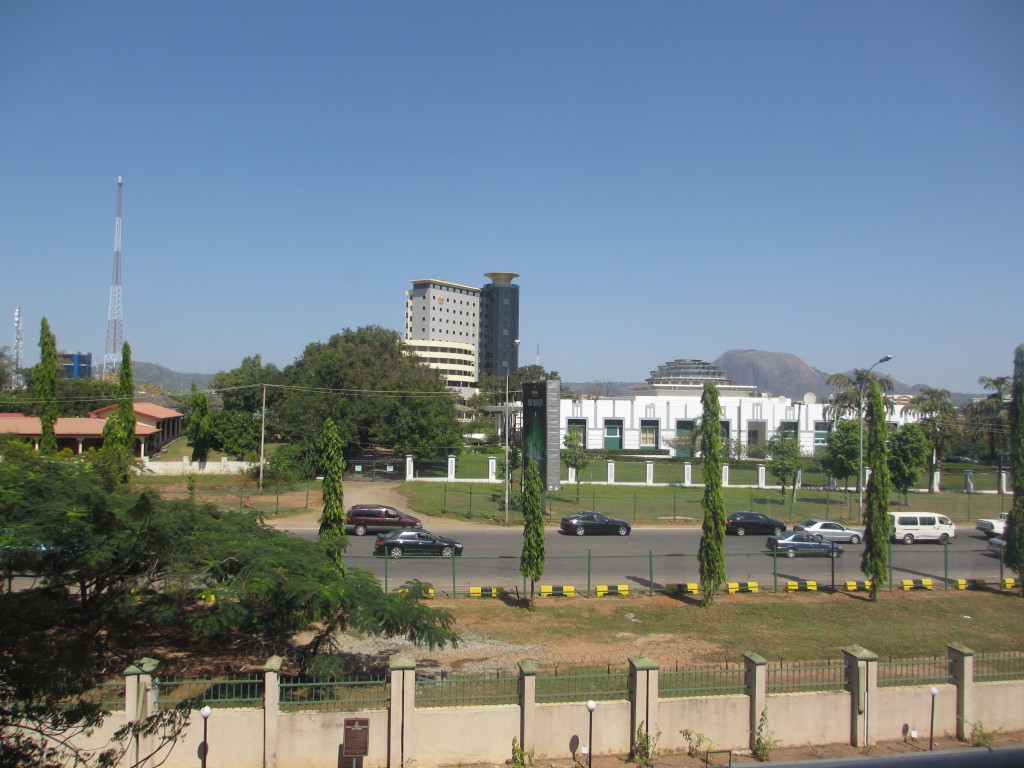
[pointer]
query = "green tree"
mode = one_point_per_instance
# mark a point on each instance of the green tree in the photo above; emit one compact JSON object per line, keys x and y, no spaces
{"x":332,"y":522}
{"x":849,"y":401}
{"x":908,"y":457}
{"x":711,"y":554}
{"x":574,"y":455}
{"x":241,"y":389}
{"x":990,"y":418}
{"x":1015,"y":523}
{"x":841,"y":456}
{"x":45,"y":380}
{"x":8,"y":369}
{"x":119,"y":431}
{"x":784,"y":462}
{"x":237,"y":434}
{"x":938,"y":419}
{"x":200,"y":427}
{"x":491,"y":389}
{"x":876,"y":501}
{"x":532,"y":558}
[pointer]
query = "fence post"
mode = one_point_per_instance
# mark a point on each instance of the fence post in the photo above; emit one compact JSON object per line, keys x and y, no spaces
{"x":271,"y":709}
{"x":410,"y":469}
{"x":756,"y":679}
{"x":862,"y":683}
{"x":527,"y":704}
{"x":140,"y":701}
{"x":451,"y":468}
{"x":725,"y":475}
{"x":643,"y":696}
{"x":492,"y":469}
{"x":649,"y":473}
{"x":687,"y":473}
{"x":611,"y":472}
{"x":761,"y":475}
{"x":961,"y":663}
{"x":402,"y":711}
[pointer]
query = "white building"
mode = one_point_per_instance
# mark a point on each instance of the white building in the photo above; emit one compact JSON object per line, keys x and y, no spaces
{"x":442,"y":324}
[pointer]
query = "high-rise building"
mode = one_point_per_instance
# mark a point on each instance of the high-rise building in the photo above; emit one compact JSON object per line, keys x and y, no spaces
{"x":499,"y":325}
{"x":442,"y":322}
{"x":74,"y":365}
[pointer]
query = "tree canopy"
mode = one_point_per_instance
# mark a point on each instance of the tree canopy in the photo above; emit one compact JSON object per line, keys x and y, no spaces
{"x":876,"y":514}
{"x":711,"y":553}
{"x":841,"y":456}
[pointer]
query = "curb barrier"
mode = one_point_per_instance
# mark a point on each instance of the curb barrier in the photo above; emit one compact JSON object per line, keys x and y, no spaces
{"x":741,"y":586}
{"x":801,"y":586}
{"x":486,"y":591}
{"x":615,"y":589}
{"x":426,"y":594}
{"x":908,"y":584}
{"x":546,"y":590}
{"x":858,"y":586}
{"x":685,"y":589}
{"x":1009,"y":582}
{"x":970,"y":584}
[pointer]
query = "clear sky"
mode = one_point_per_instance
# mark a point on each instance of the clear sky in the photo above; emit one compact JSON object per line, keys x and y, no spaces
{"x":838,"y":180}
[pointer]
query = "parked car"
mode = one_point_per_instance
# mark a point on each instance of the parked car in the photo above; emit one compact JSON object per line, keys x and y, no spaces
{"x":377,"y":518}
{"x":909,"y":528}
{"x":594,"y":522}
{"x":742,"y":523}
{"x":997,"y":546}
{"x":958,"y":460}
{"x":993,"y":526}
{"x":401,"y":543}
{"x":797,"y":543}
{"x":830,"y":531}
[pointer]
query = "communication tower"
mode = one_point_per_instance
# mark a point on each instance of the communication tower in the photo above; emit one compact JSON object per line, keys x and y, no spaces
{"x":17,"y":380}
{"x":112,"y":352}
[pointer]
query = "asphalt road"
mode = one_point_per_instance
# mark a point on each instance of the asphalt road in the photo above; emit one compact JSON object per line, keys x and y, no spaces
{"x":657,"y":556}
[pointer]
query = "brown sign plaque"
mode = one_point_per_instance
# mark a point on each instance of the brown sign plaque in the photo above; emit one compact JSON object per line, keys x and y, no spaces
{"x":357,"y":737}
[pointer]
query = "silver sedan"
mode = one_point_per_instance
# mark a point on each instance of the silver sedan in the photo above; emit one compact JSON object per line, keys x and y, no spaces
{"x":830,"y":530}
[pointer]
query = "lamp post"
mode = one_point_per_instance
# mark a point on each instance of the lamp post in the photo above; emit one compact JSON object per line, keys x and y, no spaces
{"x":931,"y":731}
{"x":860,"y":452}
{"x":204,"y":747}
{"x":508,"y":473}
{"x":591,"y":706}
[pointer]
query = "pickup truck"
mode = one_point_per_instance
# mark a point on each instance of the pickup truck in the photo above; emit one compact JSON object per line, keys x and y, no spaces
{"x":992,"y":527}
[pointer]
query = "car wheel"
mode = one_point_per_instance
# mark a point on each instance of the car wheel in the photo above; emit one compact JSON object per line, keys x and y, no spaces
{"x":741,"y":531}
{"x":580,"y":531}
{"x":855,"y":539}
{"x":446,"y":552}
{"x":776,"y":531}
{"x":395,"y":553}
{"x":360,"y":530}
{"x":623,"y":530}
{"x":833,"y":553}
{"x":944,"y":539}
{"x":790,"y":553}
{"x":908,"y":539}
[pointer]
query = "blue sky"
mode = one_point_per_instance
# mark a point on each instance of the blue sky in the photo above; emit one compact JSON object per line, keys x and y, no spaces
{"x":837,"y":180}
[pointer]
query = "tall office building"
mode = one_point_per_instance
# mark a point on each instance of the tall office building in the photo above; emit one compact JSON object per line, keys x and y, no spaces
{"x":442,"y":323}
{"x":499,"y":324}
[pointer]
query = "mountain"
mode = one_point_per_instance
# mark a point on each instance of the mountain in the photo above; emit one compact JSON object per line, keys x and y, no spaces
{"x":166,"y":379}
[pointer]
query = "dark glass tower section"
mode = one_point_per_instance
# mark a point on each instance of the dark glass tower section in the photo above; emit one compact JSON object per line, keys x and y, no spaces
{"x":499,"y":324}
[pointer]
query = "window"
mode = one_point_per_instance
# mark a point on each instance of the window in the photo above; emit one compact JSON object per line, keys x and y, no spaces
{"x":649,"y":433}
{"x":787,"y":430}
{"x":613,"y":434}
{"x":821,"y":430}
{"x":581,"y":425}
{"x":684,"y":436}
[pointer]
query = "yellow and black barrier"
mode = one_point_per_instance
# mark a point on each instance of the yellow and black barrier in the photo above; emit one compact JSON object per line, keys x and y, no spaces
{"x":970,"y":584}
{"x":682,"y":589}
{"x":614,"y":589}
{"x":908,"y":584}
{"x":1009,"y":582}
{"x":486,"y":591}
{"x":426,"y":594}
{"x":801,"y":586}
{"x":741,"y":586}
{"x":547,"y":590}
{"x":858,"y":586}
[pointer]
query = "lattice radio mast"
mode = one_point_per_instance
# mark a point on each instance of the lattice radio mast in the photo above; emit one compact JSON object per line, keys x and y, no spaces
{"x":17,"y":380}
{"x":112,"y":352}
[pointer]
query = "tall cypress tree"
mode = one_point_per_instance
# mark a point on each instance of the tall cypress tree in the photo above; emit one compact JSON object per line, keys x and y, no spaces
{"x":45,"y":381}
{"x":875,"y":558}
{"x":711,"y":554}
{"x":1015,"y":524}
{"x":119,"y":431}
{"x":332,"y":522}
{"x":531,"y":560}
{"x":200,"y":425}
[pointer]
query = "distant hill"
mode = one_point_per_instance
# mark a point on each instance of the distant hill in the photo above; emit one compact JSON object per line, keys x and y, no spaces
{"x":166,"y":379}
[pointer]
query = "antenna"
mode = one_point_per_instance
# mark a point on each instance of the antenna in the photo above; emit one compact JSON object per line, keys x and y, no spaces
{"x":538,"y":354}
{"x":17,"y":380}
{"x":112,"y":352}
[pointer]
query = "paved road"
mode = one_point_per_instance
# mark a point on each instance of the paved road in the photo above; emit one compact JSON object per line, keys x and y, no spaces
{"x":653,"y":555}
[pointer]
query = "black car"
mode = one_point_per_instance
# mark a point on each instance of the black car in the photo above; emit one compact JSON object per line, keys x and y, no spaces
{"x":742,"y":523}
{"x":797,"y":543}
{"x":401,"y":543}
{"x":594,"y":522}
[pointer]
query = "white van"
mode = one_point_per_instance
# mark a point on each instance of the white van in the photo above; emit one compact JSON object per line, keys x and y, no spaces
{"x":909,"y":527}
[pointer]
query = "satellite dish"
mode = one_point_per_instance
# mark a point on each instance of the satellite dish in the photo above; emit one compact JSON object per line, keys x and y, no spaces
{"x":810,"y":398}
{"x":782,"y":399}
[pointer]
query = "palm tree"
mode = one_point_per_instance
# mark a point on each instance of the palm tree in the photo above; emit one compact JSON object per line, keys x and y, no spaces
{"x":938,"y":420}
{"x":990,"y":418}
{"x":849,"y":400}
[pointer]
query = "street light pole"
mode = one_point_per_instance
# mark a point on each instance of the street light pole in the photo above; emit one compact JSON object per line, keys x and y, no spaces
{"x":591,"y":706}
{"x":931,"y":732}
{"x":860,"y":452}
{"x":204,"y":747}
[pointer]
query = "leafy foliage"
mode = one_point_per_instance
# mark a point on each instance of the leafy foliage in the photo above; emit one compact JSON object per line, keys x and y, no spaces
{"x":1015,"y":524}
{"x":908,"y":456}
{"x":200,"y":427}
{"x":119,"y":431}
{"x":711,"y":554}
{"x":938,"y":420}
{"x":532,"y":558}
{"x":876,"y":502}
{"x":575,"y":456}
{"x":45,"y":378}
{"x":990,"y":418}
{"x":841,"y":456}
{"x":784,"y":461}
{"x":332,"y":523}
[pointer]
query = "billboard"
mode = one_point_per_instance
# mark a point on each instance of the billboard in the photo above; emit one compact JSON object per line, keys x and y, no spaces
{"x":540,"y":429}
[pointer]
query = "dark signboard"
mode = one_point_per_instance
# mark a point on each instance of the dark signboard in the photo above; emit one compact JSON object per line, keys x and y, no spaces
{"x":357,"y":737}
{"x":541,"y":429}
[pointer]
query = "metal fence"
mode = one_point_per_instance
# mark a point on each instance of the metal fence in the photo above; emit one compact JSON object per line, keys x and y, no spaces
{"x":787,"y":677}
{"x":233,"y":692}
{"x":999,"y":666}
{"x":914,"y":671}
{"x":711,"y":681}
{"x":333,"y":694}
{"x":466,"y":691}
{"x":596,"y":684}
